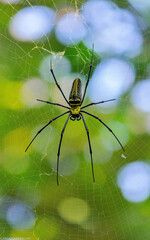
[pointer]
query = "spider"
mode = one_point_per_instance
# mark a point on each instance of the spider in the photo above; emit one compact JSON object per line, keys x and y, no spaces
{"x":75,"y":111}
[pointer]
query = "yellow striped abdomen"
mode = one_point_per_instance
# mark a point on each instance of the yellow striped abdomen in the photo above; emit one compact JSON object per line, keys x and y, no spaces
{"x":75,"y":94}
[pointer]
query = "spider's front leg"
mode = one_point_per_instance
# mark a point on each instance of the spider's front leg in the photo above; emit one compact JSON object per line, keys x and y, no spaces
{"x":44,"y":128}
{"x":52,"y":72}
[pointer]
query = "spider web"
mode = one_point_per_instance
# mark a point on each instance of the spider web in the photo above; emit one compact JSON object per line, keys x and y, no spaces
{"x":32,"y":205}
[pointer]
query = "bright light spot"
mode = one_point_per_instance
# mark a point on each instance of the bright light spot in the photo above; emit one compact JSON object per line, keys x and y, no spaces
{"x":24,"y":235}
{"x":10,"y":1}
{"x":32,"y":23}
{"x":111,"y":78}
{"x":74,"y":210}
{"x":9,"y":93}
{"x":20,"y":216}
{"x":109,"y":141}
{"x":112,"y":30}
{"x":148,"y":124}
{"x":14,"y":159}
{"x":14,"y":164}
{"x":140,"y":95}
{"x":140,"y":127}
{"x":46,"y":228}
{"x":70,"y":29}
{"x":141,"y":5}
{"x":5,"y":203}
{"x":134,"y":181}
{"x":61,"y":67}
{"x":33,"y":89}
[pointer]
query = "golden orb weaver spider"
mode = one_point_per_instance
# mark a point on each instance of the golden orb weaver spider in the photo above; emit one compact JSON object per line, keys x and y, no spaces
{"x":75,"y":111}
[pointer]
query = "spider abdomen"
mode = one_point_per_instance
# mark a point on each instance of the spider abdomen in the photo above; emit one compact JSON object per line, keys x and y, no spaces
{"x":75,"y":94}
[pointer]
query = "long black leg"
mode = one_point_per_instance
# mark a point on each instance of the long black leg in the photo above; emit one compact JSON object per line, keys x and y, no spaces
{"x":106,"y":127}
{"x":88,"y":74}
{"x":97,"y":103}
{"x":44,"y":128}
{"x":53,"y":103}
{"x":90,"y":148}
{"x":56,"y":80}
{"x":60,"y":147}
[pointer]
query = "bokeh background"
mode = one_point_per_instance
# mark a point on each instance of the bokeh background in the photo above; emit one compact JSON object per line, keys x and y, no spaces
{"x":117,"y":206}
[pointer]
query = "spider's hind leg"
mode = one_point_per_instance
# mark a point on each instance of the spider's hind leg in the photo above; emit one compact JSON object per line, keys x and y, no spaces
{"x":62,"y":133}
{"x":90,"y":148}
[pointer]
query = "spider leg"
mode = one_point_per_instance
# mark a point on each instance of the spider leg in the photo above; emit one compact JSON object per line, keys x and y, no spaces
{"x":44,"y":128}
{"x":90,"y":104}
{"x":90,"y":148}
{"x":60,"y":147}
{"x":52,"y":72}
{"x":106,"y":127}
{"x":53,"y":103}
{"x":88,"y":74}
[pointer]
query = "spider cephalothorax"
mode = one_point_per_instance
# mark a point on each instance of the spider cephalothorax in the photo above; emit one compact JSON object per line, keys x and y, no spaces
{"x":75,"y":112}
